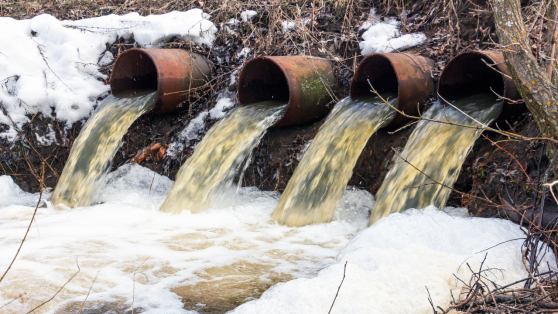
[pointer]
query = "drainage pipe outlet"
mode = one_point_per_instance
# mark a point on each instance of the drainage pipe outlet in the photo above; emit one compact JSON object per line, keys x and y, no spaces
{"x":475,"y":72}
{"x":178,"y":76}
{"x":305,"y":83}
{"x":407,"y":75}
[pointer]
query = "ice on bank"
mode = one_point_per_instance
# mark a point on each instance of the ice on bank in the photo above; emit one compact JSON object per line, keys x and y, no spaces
{"x":384,"y":36}
{"x":52,"y":66}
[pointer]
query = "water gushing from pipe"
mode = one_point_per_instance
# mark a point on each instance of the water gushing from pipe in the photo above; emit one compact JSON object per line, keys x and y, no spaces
{"x":95,"y":147}
{"x":438,"y":149}
{"x":321,"y":177}
{"x":206,"y":177}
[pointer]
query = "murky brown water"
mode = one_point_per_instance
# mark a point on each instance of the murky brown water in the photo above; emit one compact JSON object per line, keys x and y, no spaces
{"x":437,"y":149}
{"x":94,"y":148}
{"x":320,"y":179}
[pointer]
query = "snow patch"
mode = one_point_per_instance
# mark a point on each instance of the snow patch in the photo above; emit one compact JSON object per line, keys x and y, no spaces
{"x":190,"y":132}
{"x":11,"y":194}
{"x":234,"y":77}
{"x":243,"y":53}
{"x":52,"y":66}
{"x":384,"y":37}
{"x":247,"y":15}
{"x":48,"y":139}
{"x":106,"y":59}
{"x":232,"y":22}
{"x":303,"y":150}
{"x":220,"y":108}
{"x":290,"y":25}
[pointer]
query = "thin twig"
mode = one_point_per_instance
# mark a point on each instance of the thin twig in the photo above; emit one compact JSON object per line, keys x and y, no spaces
{"x":134,"y":288}
{"x":57,"y":292}
{"x":344,"y":271}
{"x":30,"y":223}
{"x":89,"y":292}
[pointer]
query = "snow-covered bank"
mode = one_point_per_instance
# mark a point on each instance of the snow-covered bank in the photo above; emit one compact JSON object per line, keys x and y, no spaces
{"x":52,"y":66}
{"x":388,"y":264}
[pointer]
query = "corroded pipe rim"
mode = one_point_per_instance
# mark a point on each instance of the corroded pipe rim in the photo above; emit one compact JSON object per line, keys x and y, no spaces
{"x":176,"y":74}
{"x":458,"y":68}
{"x":142,"y":52}
{"x":509,"y":90}
{"x":242,"y":75}
{"x":408,"y":75}
{"x":296,"y":78}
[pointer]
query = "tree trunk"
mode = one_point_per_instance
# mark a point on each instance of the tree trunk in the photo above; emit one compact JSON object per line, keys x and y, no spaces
{"x":551,"y":42}
{"x":531,"y":80}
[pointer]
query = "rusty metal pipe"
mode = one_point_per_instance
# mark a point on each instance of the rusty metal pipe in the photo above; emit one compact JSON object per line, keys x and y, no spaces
{"x":178,"y":76}
{"x":408,"y":75}
{"x":305,"y":83}
{"x":475,"y":72}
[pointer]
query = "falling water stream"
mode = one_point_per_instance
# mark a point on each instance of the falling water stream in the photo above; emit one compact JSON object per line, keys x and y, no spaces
{"x":321,"y":177}
{"x":438,"y":150}
{"x":94,"y":148}
{"x":205,"y":179}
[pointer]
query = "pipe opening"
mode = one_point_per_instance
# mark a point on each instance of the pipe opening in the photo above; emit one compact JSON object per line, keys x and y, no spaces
{"x":468,"y":75}
{"x":262,"y":80}
{"x":380,"y":72}
{"x":134,"y":70}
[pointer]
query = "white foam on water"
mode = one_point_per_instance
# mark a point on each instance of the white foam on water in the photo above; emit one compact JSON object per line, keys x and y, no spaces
{"x":390,"y":264}
{"x":128,"y":229}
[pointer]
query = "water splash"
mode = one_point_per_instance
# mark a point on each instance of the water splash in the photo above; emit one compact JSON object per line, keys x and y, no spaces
{"x":95,"y":147}
{"x":320,"y":179}
{"x":437,"y":149}
{"x":207,"y":262}
{"x":205,"y":178}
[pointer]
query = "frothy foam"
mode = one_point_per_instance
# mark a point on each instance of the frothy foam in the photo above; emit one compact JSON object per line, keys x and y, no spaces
{"x":391,"y":264}
{"x":176,"y":258}
{"x":216,"y":260}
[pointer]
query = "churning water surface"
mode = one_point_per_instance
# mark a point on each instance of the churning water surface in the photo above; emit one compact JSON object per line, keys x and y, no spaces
{"x":209,"y":262}
{"x":134,"y":257}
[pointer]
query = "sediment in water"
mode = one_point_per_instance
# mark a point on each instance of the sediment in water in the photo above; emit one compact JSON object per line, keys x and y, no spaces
{"x":93,"y":150}
{"x":437,"y":149}
{"x":321,"y":177}
{"x":205,"y":178}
